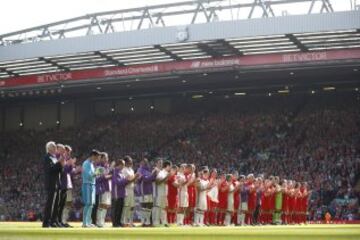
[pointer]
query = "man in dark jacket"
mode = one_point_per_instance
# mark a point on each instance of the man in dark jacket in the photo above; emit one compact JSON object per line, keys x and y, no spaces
{"x":52,"y":169}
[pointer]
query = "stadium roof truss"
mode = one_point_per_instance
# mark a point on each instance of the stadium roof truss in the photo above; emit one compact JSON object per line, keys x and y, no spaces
{"x":192,"y":12}
{"x":30,"y":52}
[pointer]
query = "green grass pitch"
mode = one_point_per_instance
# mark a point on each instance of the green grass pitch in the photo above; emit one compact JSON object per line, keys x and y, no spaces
{"x":20,"y":230}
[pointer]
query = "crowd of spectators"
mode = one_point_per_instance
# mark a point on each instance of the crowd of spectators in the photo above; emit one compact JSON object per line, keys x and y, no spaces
{"x":313,"y":139}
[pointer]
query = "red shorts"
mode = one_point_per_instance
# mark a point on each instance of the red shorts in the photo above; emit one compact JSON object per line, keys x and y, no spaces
{"x":236,"y":203}
{"x":192,"y":197}
{"x":172,"y":203}
{"x":298,"y":205}
{"x":285,"y":205}
{"x":265,"y":204}
{"x":251,"y":204}
{"x":272,"y":202}
{"x":212,"y":205}
{"x":291,"y":204}
{"x":222,"y":204}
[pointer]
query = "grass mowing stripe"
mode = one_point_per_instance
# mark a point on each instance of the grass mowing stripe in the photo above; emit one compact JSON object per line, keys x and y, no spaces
{"x":305,"y":232}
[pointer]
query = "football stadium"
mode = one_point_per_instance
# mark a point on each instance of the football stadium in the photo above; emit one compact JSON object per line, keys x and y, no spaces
{"x":201,"y":119}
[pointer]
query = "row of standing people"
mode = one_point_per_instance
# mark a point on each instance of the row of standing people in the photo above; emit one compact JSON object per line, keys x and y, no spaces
{"x":170,"y":194}
{"x":167,"y":193}
{"x":59,"y":169}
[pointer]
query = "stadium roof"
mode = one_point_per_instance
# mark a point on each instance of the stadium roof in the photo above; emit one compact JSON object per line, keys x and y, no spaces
{"x":219,"y":39}
{"x":305,"y":36}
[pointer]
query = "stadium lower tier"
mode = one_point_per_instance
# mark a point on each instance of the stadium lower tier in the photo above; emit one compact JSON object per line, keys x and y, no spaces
{"x":22,"y":230}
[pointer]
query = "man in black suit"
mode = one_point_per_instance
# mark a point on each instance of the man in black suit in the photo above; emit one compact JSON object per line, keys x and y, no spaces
{"x":52,"y":168}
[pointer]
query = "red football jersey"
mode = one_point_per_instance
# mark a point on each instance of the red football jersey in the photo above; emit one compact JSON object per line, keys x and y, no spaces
{"x":236,"y":196}
{"x":191,"y":192}
{"x":252,"y":197}
{"x":172,"y":192}
{"x":223,"y":195}
{"x":286,"y":202}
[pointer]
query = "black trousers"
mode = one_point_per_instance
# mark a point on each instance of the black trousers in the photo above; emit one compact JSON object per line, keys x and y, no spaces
{"x":95,"y":208}
{"x":116,"y":211}
{"x":51,"y":206}
{"x":62,"y":201}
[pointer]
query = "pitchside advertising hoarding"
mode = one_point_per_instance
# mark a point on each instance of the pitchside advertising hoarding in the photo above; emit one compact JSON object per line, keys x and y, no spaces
{"x":182,"y":66}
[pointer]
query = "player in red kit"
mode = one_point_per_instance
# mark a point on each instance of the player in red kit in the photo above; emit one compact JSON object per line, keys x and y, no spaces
{"x":236,"y":184}
{"x":285,"y":203}
{"x":223,"y":198}
{"x":291,"y":197}
{"x":191,"y":193}
{"x":172,"y":195}
{"x":271,"y":199}
{"x":265,"y":202}
{"x":251,"y":200}
{"x":297,"y":204}
{"x":304,"y":205}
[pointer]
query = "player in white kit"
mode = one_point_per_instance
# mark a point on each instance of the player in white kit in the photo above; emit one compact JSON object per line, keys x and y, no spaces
{"x":105,"y":196}
{"x":243,"y":206}
{"x":213,"y":196}
{"x":160,"y":200}
{"x":230,"y":200}
{"x":129,"y":201}
{"x":203,"y":186}
{"x":183,"y":194}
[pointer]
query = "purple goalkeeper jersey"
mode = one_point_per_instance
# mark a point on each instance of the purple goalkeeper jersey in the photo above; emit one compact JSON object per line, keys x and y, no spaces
{"x":144,"y":183}
{"x":105,"y":183}
{"x":66,"y":177}
{"x":118,"y":182}
{"x":244,"y":193}
{"x":98,"y":181}
{"x":102,"y":183}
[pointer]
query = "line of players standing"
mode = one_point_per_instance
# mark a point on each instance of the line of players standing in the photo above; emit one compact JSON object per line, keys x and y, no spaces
{"x":170,"y":194}
{"x":59,"y":168}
